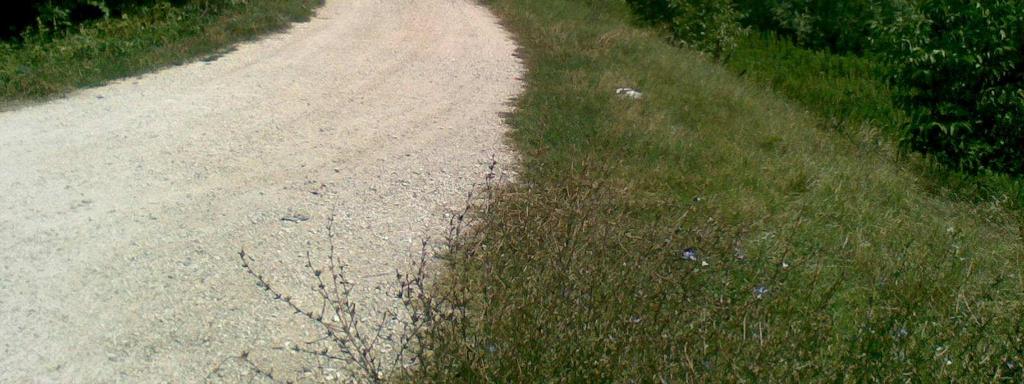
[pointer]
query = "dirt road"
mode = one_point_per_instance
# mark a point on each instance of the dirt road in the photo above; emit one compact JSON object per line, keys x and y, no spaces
{"x":122,"y":208}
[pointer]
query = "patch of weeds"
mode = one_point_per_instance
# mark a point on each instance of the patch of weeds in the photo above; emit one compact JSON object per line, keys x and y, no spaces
{"x":400,"y":344}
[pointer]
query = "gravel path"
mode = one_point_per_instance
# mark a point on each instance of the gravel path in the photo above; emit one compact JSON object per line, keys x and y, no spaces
{"x":123,"y":207}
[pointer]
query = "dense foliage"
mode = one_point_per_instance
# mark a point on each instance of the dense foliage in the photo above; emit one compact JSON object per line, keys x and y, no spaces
{"x":961,"y":67}
{"x":958,"y":64}
{"x":59,"y":15}
{"x":838,"y":26}
{"x":707,"y":25}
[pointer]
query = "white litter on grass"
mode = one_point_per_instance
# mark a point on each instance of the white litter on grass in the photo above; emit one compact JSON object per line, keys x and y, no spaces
{"x":629,"y":93}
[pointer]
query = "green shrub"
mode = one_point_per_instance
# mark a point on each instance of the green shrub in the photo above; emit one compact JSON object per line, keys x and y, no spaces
{"x":959,"y":64}
{"x":55,"y":16}
{"x":711,"y":26}
{"x":838,"y":26}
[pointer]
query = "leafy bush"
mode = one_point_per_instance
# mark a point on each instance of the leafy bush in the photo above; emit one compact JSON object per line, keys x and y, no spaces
{"x":839,"y":26}
{"x":960,"y":64}
{"x":47,"y":16}
{"x":708,"y":25}
{"x":843,"y":26}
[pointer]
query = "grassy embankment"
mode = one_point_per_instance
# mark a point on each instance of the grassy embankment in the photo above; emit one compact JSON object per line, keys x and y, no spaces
{"x":851,"y":94}
{"x":820,"y":253}
{"x":44,"y":65}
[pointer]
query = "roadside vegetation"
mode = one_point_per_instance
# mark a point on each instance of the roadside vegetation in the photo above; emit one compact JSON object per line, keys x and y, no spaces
{"x":52,"y":47}
{"x":852,"y":95}
{"x":753,"y":216}
{"x":942,"y":78}
{"x":736,"y":223}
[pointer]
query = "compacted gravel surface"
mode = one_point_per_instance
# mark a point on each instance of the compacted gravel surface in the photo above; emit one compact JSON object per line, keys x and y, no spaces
{"x":123,"y":207}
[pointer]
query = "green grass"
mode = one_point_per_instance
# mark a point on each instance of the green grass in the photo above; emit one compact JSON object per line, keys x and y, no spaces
{"x":43,"y":65}
{"x":848,"y":88}
{"x":575,"y":273}
{"x":851,"y":95}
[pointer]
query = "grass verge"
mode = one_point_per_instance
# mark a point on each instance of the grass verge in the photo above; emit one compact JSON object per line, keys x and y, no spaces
{"x":42,"y":66}
{"x":852,"y":95}
{"x":714,"y":231}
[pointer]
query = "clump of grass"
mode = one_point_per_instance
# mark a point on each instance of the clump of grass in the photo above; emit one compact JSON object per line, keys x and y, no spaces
{"x":44,"y":64}
{"x":713,"y":231}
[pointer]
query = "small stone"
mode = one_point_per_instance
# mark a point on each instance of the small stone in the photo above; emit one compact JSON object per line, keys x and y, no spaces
{"x":295,"y":218}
